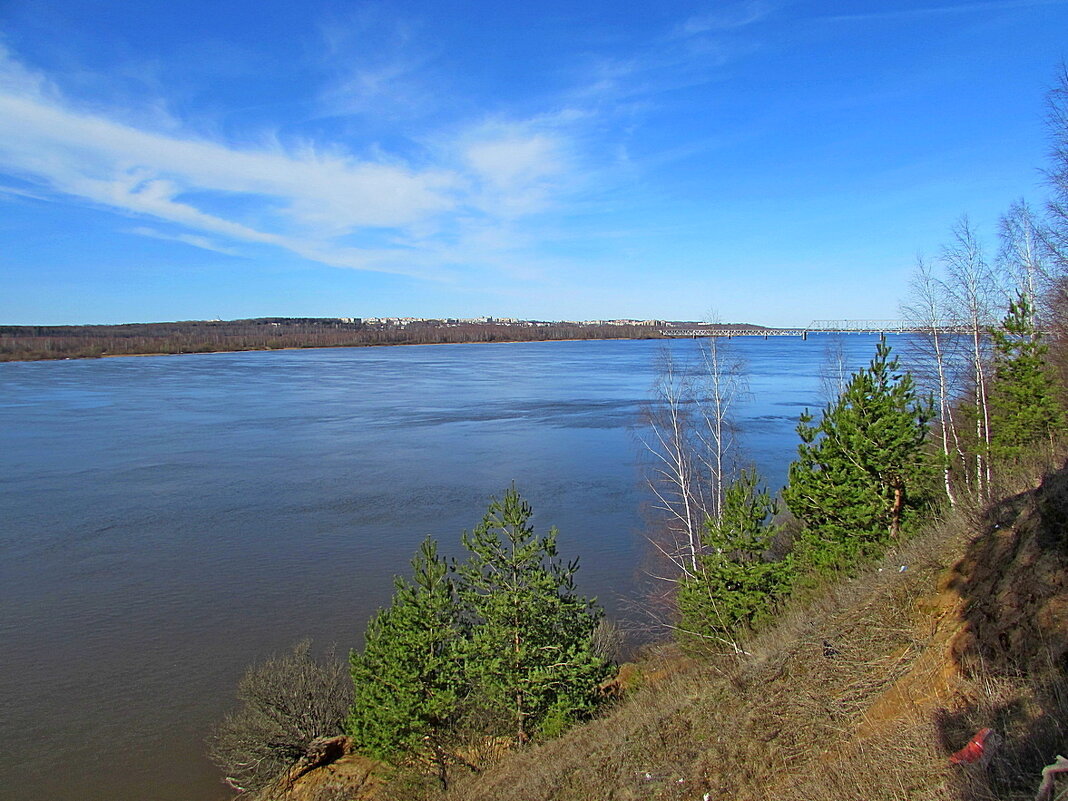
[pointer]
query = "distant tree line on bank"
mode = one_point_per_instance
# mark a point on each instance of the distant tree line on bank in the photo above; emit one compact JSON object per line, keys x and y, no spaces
{"x":26,"y":343}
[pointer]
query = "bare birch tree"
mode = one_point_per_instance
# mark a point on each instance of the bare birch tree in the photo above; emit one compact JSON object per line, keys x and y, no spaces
{"x":1023,"y":256}
{"x":722,"y":383}
{"x":973,"y":294}
{"x":674,"y":476}
{"x":690,"y":441}
{"x":1057,"y":174}
{"x":834,"y":370}
{"x":690,"y":437}
{"x":928,"y":310}
{"x":1055,"y":231}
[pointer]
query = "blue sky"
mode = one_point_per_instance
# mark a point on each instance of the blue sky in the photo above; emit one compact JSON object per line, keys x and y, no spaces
{"x":763,"y":161}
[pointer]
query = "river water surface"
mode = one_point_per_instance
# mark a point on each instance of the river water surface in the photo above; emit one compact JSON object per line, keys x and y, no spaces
{"x":165,"y":521}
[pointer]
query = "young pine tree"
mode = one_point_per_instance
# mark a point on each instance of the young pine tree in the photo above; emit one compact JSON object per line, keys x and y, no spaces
{"x":861,"y":471}
{"x":1024,"y":410}
{"x":734,"y":586}
{"x":408,"y":679}
{"x":530,"y":651}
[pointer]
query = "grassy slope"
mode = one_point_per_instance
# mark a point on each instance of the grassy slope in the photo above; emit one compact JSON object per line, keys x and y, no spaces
{"x":862,"y":694}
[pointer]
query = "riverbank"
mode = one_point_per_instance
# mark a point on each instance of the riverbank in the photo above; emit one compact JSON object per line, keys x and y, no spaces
{"x":44,"y":343}
{"x":365,"y":345}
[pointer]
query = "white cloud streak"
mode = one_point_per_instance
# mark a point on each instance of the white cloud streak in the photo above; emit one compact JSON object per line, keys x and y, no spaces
{"x":314,"y":202}
{"x":942,"y":10}
{"x":193,"y":240}
{"x":726,"y":18}
{"x":475,"y":201}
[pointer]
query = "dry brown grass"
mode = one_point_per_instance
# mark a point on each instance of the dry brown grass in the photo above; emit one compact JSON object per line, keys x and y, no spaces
{"x":769,"y":724}
{"x":856,"y":695}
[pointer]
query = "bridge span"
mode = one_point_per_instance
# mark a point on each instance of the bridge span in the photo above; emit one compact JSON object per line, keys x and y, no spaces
{"x":815,"y":327}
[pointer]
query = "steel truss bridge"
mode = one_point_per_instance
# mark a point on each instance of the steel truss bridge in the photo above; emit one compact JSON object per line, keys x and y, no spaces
{"x":815,"y":327}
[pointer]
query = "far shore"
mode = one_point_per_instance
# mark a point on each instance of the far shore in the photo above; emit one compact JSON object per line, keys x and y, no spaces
{"x":179,"y":338}
{"x":324,"y":347}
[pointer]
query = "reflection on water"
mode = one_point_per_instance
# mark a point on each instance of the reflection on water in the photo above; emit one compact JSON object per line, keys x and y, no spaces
{"x":167,"y":520}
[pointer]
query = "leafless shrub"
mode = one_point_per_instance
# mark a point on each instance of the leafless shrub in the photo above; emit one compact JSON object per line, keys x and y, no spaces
{"x":609,"y":641}
{"x":286,"y":702}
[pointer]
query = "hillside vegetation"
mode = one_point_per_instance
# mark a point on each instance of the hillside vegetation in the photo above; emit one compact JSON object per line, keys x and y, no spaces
{"x":864,"y":693}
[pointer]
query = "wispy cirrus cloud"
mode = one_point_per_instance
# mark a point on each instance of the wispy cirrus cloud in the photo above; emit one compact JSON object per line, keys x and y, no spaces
{"x":629,"y":92}
{"x":519,"y":168}
{"x":688,"y":54}
{"x":375,"y":64}
{"x":941,"y":10}
{"x":193,"y":240}
{"x":316,"y":201}
{"x":727,"y":17}
{"x":459,"y":196}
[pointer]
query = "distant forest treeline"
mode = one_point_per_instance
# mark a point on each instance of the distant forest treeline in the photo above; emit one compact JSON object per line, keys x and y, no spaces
{"x":20,"y":343}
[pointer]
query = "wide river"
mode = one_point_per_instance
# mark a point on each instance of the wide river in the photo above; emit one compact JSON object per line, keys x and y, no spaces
{"x":165,"y":521}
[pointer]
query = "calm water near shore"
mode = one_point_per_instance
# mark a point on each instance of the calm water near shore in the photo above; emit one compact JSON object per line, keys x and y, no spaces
{"x":165,"y":521}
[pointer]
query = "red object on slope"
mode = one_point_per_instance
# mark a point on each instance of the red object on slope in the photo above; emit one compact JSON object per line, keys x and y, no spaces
{"x":974,"y":750}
